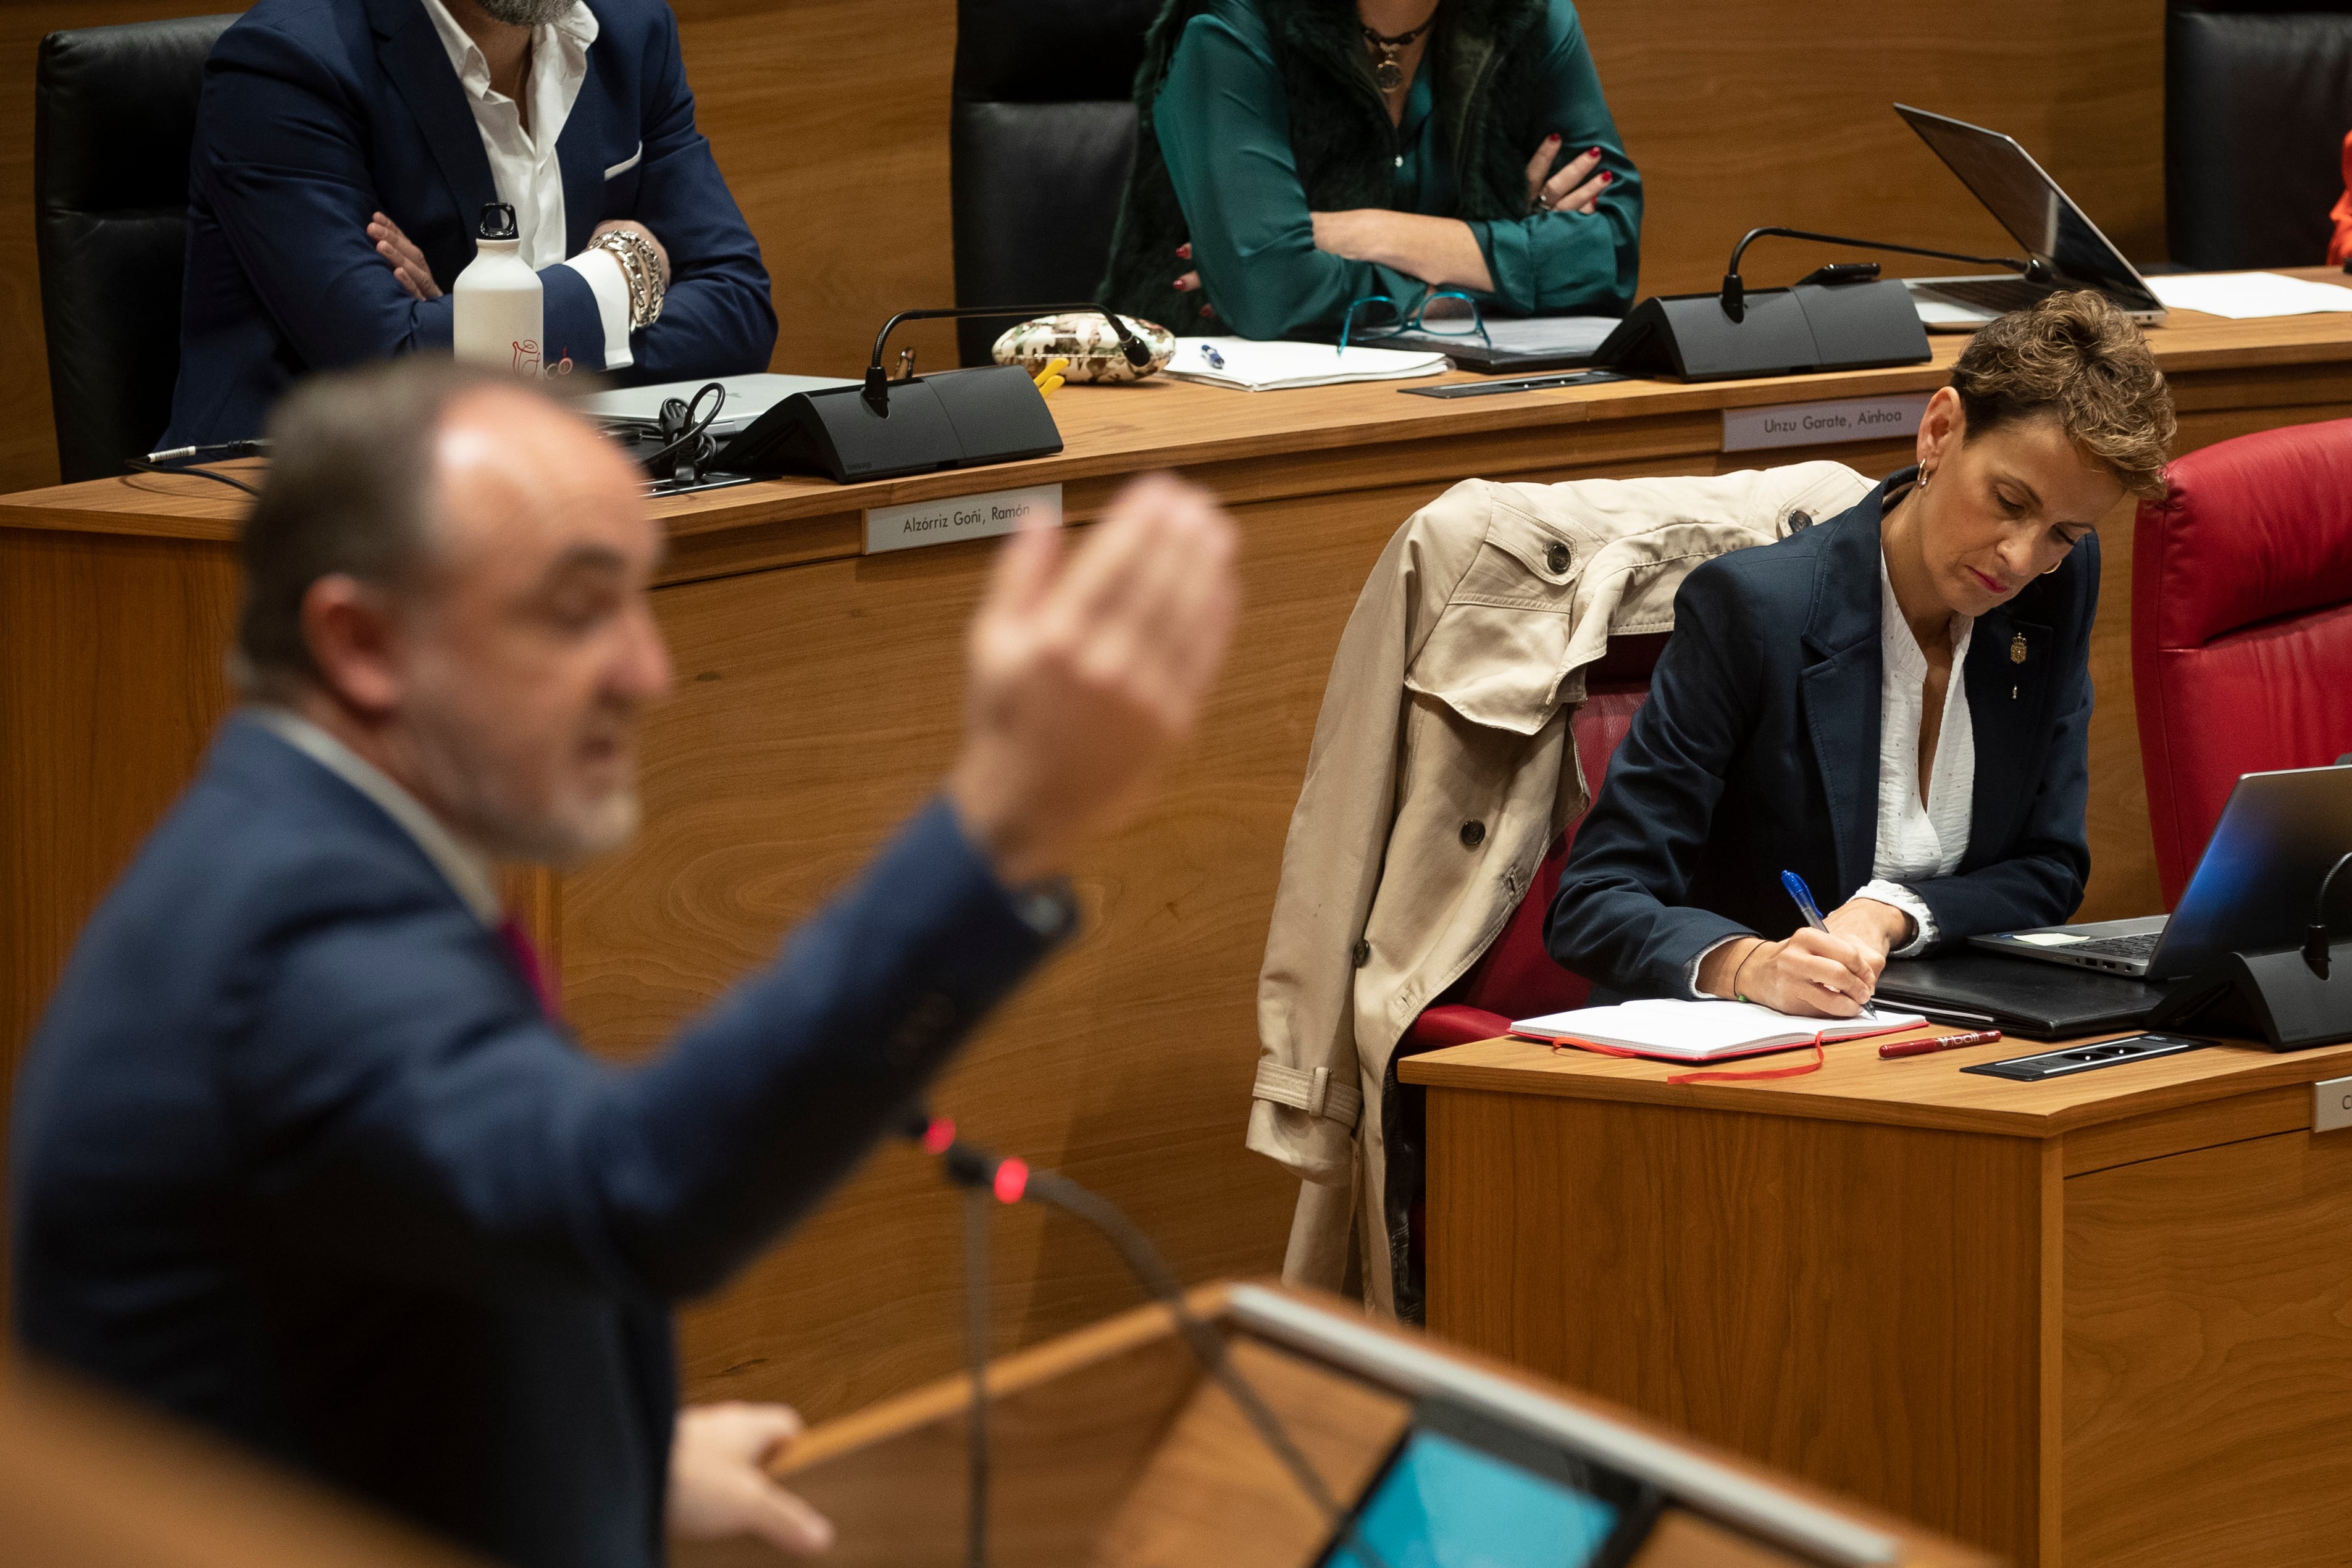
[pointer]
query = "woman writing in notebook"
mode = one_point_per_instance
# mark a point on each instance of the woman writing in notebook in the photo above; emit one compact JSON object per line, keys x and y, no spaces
{"x":1294,"y":157}
{"x":1895,"y":704}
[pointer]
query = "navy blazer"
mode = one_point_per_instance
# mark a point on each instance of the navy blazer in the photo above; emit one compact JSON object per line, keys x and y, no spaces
{"x":296,"y":1155}
{"x":1757,"y":752}
{"x":317,"y":113}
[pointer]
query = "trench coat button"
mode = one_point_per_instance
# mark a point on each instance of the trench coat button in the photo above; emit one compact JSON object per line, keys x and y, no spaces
{"x":1363,"y":952}
{"x":1800,"y":520}
{"x":1557,"y":557}
{"x":1474,"y":833}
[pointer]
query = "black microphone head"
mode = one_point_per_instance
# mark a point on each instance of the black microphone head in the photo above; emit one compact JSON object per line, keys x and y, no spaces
{"x":2315,"y":950}
{"x":1735,"y":296}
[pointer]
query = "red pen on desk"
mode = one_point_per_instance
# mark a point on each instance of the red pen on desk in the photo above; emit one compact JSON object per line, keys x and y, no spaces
{"x":1941,"y":1042}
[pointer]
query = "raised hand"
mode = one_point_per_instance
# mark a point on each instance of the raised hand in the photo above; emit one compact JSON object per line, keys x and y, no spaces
{"x":1086,"y":666}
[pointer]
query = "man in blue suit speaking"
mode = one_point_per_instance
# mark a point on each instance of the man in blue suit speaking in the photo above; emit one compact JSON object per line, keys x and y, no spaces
{"x":299,"y":1154}
{"x":345,"y":150}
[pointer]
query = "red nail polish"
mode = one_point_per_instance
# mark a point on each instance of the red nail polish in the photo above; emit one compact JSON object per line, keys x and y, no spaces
{"x":1181,"y":286}
{"x":1553,"y":140}
{"x":1184,"y":252}
{"x":1208,"y":311}
{"x":1606,"y":176}
{"x":1594,"y":153}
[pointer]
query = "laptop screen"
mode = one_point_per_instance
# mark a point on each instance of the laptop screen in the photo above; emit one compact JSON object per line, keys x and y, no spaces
{"x":2028,"y":203}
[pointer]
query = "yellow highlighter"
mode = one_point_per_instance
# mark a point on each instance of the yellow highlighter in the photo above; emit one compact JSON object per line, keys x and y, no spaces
{"x":1049,"y":378}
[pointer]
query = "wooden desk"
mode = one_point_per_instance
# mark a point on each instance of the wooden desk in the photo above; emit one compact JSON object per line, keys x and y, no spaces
{"x":2105,"y":1321}
{"x":817,"y":701}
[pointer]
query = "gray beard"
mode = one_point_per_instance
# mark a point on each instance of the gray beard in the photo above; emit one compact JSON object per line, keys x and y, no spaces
{"x":525,"y":13}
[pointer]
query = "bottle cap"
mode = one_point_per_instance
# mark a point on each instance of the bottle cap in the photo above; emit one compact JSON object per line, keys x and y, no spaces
{"x":499,"y":222}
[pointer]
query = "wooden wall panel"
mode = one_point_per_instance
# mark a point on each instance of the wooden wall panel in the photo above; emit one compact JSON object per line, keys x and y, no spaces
{"x":1742,"y":115}
{"x":829,"y":119}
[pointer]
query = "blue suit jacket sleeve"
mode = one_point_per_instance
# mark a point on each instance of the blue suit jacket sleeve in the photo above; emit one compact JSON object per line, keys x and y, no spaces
{"x":1622,"y":917}
{"x":288,"y":177}
{"x":718,"y":318}
{"x":413,"y":1112}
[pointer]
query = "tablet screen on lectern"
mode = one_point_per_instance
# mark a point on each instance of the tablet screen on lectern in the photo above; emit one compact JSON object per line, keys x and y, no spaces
{"x":1459,"y":1492}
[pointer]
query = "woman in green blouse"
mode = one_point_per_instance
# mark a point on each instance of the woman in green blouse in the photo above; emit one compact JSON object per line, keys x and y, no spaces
{"x":1294,"y":156}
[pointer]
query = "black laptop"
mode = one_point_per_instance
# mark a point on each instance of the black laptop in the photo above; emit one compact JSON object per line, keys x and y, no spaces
{"x":2251,"y":891}
{"x":2068,"y":247}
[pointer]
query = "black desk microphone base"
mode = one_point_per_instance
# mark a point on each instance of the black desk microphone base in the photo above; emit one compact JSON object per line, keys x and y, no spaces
{"x":2272,"y":998}
{"x":1780,"y":331}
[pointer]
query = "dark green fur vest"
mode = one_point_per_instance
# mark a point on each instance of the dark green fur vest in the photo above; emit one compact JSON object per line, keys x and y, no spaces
{"x":1489,"y":96}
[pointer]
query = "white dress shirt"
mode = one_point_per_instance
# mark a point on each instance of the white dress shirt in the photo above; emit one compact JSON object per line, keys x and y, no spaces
{"x":1918,"y":839}
{"x":523,"y":166}
{"x":467,"y":870}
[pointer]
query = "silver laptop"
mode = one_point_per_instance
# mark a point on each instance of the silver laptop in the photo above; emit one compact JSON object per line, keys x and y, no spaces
{"x":2042,"y":219}
{"x":2251,"y":891}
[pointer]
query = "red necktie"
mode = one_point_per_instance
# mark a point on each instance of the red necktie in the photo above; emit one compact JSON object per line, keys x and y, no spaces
{"x":524,"y":952}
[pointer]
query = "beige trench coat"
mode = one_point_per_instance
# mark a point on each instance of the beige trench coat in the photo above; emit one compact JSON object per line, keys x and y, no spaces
{"x":1448,"y":704}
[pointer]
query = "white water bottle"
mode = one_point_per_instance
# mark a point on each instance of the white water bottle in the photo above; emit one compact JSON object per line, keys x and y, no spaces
{"x":501,"y":309}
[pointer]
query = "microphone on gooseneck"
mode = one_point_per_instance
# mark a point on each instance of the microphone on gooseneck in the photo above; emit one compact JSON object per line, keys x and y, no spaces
{"x":877,"y":391}
{"x":1735,"y":291}
{"x":2314,"y":935}
{"x":988,"y":1178}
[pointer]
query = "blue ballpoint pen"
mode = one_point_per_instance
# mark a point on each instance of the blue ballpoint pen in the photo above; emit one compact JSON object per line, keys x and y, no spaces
{"x":1804,"y":897}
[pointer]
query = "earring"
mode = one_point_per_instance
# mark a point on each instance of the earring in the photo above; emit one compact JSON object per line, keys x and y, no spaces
{"x":2053,"y":569}
{"x":1926,"y":475}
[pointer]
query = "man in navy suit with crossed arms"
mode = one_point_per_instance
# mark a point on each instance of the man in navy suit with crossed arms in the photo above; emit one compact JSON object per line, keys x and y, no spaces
{"x":345,"y":151}
{"x":299,"y":1155}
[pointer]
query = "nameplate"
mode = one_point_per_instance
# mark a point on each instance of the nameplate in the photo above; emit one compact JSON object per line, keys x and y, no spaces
{"x":955,"y":517}
{"x":1823,"y":423}
{"x":2331,"y":1106}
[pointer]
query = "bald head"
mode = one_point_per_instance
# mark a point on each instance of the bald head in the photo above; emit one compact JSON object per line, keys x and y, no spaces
{"x":512,"y":469}
{"x":451,"y":573}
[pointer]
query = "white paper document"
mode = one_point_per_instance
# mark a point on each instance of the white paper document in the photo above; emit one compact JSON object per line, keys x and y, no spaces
{"x":1704,"y":1031}
{"x":1252,"y":366}
{"x":2243,"y":295}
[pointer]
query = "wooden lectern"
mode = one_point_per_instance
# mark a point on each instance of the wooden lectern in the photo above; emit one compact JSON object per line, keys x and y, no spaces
{"x":1110,"y":1447}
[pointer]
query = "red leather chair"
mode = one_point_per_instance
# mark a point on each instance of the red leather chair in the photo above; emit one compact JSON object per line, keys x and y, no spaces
{"x":1516,"y":977}
{"x":2241,"y":626}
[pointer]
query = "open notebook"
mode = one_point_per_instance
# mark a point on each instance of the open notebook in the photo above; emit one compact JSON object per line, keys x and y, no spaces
{"x":1703,"y":1031}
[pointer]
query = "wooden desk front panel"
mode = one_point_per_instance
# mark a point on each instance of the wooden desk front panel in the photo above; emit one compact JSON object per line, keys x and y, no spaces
{"x":1855,"y":1304}
{"x":814,"y":708}
{"x":2207,"y":1385}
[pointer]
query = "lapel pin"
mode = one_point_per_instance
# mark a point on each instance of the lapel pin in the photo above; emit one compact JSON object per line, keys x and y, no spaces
{"x":2017,"y":648}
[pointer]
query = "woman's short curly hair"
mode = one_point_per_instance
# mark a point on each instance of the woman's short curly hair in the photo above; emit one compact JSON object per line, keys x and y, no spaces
{"x":2077,"y":357}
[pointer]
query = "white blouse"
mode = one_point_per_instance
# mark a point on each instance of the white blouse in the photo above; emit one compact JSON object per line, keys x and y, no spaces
{"x":1918,"y":839}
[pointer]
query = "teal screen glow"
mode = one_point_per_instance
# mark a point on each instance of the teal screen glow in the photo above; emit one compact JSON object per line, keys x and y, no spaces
{"x":1444,"y":1504}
